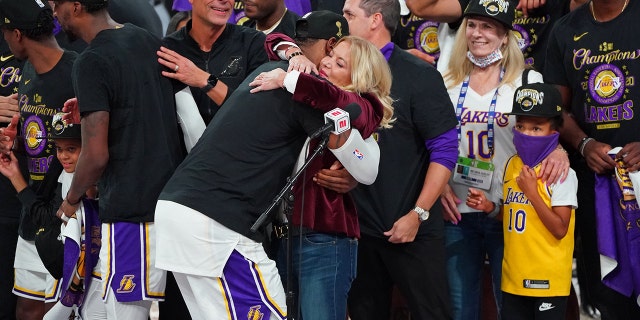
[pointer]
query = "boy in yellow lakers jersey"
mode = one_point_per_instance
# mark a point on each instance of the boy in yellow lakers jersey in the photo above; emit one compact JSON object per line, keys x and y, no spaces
{"x":538,"y":219}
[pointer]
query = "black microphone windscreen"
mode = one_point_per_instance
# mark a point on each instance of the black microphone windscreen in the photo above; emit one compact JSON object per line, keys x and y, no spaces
{"x":354,"y":110}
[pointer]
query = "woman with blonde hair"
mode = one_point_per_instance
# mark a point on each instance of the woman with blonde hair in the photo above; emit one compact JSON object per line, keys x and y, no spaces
{"x":485,"y":68}
{"x":325,"y":236}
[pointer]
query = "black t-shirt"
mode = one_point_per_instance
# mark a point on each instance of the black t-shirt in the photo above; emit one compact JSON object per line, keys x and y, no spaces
{"x":236,"y":53}
{"x":417,"y":33}
{"x":423,"y":111}
{"x":40,"y":96}
{"x":244,"y":156}
{"x":287,"y":24}
{"x":599,"y":63}
{"x":118,"y":72}
{"x":533,"y":32}
{"x":10,"y":73}
{"x":137,"y":12}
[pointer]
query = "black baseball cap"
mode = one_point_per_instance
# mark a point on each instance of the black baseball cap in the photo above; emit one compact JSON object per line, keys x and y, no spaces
{"x":60,"y":129}
{"x":322,"y":24}
{"x":503,"y":11}
{"x":22,"y":14}
{"x":92,"y":1}
{"x":537,"y":100}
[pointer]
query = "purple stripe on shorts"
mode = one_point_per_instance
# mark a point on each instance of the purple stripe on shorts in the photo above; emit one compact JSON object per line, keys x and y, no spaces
{"x":126,"y":277}
{"x":246,"y":287}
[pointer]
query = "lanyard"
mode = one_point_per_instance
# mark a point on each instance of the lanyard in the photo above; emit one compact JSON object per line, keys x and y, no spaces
{"x":492,"y":112}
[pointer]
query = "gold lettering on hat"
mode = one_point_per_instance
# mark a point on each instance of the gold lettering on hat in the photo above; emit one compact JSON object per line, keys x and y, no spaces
{"x":339,"y":25}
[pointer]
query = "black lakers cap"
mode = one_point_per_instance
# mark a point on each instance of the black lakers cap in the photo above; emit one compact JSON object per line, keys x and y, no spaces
{"x":60,"y":129}
{"x":22,"y":14}
{"x":322,"y":24}
{"x":537,"y":100}
{"x":503,"y":11}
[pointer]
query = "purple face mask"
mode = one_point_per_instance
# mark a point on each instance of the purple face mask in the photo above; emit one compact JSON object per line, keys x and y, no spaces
{"x":533,"y":149}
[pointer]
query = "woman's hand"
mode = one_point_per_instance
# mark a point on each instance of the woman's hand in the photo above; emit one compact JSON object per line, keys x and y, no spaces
{"x":302,"y":64}
{"x":555,"y":167}
{"x":273,"y":79}
{"x":450,"y":204}
{"x":477,"y":199}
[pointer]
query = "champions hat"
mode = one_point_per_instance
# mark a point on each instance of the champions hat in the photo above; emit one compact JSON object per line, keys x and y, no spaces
{"x":22,"y":14}
{"x":503,"y":11}
{"x":322,"y":24}
{"x":63,"y":130}
{"x":537,"y":100}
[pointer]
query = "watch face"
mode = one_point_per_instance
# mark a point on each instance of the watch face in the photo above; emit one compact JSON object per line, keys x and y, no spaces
{"x":424,"y":215}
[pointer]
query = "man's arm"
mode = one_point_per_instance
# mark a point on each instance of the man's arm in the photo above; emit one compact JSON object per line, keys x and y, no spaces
{"x":92,"y":161}
{"x":436,"y":10}
{"x":405,"y":229}
{"x":594,"y":152}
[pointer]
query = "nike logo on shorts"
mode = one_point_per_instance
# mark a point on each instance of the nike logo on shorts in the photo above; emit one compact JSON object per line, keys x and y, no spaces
{"x":546,"y":306}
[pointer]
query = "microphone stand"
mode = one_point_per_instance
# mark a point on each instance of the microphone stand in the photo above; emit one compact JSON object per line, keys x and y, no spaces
{"x":286,"y":193}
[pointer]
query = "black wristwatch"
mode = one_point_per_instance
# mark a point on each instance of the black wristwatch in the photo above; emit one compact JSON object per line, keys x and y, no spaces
{"x":211,"y":82}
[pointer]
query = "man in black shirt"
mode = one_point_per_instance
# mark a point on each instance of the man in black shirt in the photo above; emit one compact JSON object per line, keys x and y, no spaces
{"x":270,"y":16}
{"x":208,"y":206}
{"x":400,"y":244}
{"x":130,"y":148}
{"x":45,"y":85}
{"x":211,"y":56}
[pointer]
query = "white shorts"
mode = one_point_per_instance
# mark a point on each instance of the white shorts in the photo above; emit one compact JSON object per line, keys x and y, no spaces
{"x":239,"y":279}
{"x":127,"y":262}
{"x":36,"y":286}
{"x":32,"y":280}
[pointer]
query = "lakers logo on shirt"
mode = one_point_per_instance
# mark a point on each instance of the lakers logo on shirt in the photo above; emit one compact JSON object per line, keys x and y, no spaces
{"x":254,"y":313}
{"x":606,"y":84}
{"x":34,"y":130}
{"x":126,"y":284}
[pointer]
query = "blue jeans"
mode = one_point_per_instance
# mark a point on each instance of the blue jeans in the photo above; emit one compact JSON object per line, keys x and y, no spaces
{"x":467,"y":244}
{"x":324,"y":266}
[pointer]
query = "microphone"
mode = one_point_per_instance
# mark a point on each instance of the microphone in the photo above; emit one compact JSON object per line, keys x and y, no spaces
{"x":338,"y":120}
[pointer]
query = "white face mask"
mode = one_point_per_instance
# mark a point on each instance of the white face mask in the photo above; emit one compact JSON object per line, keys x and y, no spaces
{"x":484,"y":62}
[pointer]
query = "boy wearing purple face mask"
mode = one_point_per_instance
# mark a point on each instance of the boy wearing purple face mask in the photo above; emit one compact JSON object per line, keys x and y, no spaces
{"x":538,"y":219}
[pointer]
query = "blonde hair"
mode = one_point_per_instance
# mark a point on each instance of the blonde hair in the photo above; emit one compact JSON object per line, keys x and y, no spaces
{"x":370,"y":73}
{"x":459,"y":66}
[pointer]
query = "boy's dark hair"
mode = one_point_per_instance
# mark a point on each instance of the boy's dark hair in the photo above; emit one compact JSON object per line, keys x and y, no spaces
{"x":45,"y":21}
{"x":556,"y":122}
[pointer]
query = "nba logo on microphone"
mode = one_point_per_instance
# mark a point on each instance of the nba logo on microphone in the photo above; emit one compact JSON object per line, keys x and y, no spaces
{"x":339,"y":118}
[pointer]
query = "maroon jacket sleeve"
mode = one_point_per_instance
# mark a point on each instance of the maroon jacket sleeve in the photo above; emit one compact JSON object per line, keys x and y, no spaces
{"x":322,"y":95}
{"x":272,"y":40}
